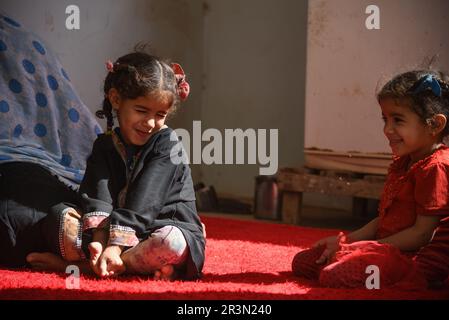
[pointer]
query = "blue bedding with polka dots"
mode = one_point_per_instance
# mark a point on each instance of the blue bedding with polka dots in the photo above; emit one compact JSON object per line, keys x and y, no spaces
{"x":42,"y":119}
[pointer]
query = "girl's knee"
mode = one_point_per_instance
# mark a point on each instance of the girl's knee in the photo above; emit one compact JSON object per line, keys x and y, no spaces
{"x":170,"y":243}
{"x":304,"y":263}
{"x":165,"y":246}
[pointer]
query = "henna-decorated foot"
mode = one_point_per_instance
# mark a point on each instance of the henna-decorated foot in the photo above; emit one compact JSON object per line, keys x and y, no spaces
{"x":46,"y":261}
{"x":95,"y":249}
{"x":167,"y":272}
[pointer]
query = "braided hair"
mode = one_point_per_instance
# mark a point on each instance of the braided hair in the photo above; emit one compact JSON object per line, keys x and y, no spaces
{"x":134,"y":75}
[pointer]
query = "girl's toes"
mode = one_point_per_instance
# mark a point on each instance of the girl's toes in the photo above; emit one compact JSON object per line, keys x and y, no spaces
{"x":95,"y":250}
{"x":167,"y":272}
{"x":157,"y":275}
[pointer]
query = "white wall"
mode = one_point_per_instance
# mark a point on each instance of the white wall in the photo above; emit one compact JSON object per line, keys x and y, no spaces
{"x":345,"y":63}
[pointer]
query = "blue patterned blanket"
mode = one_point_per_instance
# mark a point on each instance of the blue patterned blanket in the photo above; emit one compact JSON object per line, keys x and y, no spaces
{"x":42,"y":118}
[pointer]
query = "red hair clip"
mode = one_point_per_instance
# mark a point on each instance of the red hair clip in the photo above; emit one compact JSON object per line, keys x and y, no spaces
{"x":109,"y":66}
{"x":183,"y":85}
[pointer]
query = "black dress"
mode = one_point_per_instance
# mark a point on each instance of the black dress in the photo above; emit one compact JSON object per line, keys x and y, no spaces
{"x":139,"y":193}
{"x":28,"y":192}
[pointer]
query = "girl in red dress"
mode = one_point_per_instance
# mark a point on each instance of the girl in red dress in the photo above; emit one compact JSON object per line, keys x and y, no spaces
{"x":408,"y":243}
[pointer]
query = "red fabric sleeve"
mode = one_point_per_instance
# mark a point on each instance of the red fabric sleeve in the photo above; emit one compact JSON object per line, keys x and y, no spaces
{"x":432,"y":190}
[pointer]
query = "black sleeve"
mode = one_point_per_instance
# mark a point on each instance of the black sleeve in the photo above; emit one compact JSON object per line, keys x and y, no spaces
{"x":96,"y":198}
{"x":147,"y":194}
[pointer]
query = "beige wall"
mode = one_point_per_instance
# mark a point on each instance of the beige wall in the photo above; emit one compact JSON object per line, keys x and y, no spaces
{"x":345,"y":63}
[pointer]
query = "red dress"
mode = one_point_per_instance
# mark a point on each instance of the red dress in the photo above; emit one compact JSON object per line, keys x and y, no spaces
{"x":421,"y":190}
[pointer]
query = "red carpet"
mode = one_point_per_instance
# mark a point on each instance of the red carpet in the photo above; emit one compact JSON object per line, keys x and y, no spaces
{"x":244,"y":260}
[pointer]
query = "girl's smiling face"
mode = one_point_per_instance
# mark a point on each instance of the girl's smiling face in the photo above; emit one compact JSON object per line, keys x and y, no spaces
{"x":406,"y":132}
{"x":140,"y":118}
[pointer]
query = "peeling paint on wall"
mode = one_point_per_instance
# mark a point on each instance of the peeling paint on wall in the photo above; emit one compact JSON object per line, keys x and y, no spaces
{"x":176,"y":13}
{"x":318,"y":22}
{"x":347,"y":64}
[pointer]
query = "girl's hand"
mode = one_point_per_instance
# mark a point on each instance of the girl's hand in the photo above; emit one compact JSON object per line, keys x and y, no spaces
{"x":110,"y":263}
{"x":99,"y":240}
{"x":332,"y":244}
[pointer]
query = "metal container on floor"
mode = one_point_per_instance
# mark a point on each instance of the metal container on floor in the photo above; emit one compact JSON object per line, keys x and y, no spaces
{"x":266,"y":199}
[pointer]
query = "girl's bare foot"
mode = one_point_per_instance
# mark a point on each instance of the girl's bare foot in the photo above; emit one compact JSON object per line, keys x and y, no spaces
{"x":95,"y":249}
{"x":46,"y":261}
{"x":167,"y":272}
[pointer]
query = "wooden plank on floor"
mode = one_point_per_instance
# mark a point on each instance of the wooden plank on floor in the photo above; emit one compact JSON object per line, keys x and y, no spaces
{"x":291,"y":207}
{"x":332,"y":185}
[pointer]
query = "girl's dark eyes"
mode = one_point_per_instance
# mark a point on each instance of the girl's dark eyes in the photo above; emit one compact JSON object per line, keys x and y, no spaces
{"x":142,"y":111}
{"x":384,"y":119}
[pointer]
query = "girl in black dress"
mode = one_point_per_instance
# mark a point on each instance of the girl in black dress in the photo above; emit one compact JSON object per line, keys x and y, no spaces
{"x":136,"y":211}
